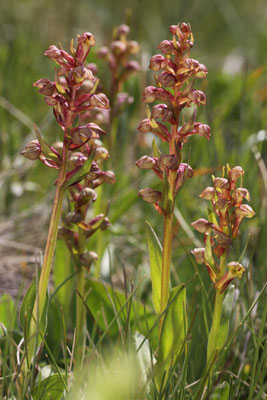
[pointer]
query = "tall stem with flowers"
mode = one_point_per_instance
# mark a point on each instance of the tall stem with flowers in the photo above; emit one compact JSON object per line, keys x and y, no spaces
{"x":174,"y":90}
{"x":77,"y":161}
{"x":225,"y":217}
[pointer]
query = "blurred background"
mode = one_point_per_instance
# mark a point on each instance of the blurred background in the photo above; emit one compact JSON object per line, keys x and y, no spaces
{"x":230,"y":39}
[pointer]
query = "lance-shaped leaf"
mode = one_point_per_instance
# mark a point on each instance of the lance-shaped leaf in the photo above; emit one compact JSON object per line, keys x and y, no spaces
{"x":80,"y":173}
{"x":173,"y":334}
{"x":46,"y":150}
{"x":26,"y":309}
{"x":222,"y":335}
{"x":155,"y":259}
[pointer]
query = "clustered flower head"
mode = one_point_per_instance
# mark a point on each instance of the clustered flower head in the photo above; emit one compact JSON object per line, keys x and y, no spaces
{"x":118,"y":58}
{"x":176,"y":73}
{"x":71,"y":94}
{"x":223,"y":225}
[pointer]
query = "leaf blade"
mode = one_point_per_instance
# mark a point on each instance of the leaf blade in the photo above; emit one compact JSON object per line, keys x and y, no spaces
{"x":155,"y":259}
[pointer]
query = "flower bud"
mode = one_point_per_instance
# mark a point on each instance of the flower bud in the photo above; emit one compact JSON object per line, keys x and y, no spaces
{"x":146,"y":162}
{"x":201,"y":225}
{"x":197,"y":97}
{"x":199,"y":255}
{"x":96,"y":221}
{"x":173,"y":29}
{"x":221,"y":183}
{"x":166,"y":47}
{"x":144,"y":126}
{"x":93,"y":128}
{"x":72,"y":218}
{"x":240,"y":194}
{"x":32,"y":150}
{"x":235,"y":173}
{"x":202,"y":71}
{"x":88,"y":258}
{"x":103,"y":52}
{"x":109,"y":177}
{"x":161,"y":111}
{"x":53,"y":53}
{"x":149,"y":95}
{"x":101,"y":153}
{"x":208,"y":193}
{"x":166,"y":79}
{"x":85,"y":42}
{"x":202,"y":130}
{"x":46,"y":87}
{"x":99,"y":100}
{"x":236,"y":270}
{"x":123,"y":30}
{"x":150,"y":195}
{"x":118,"y":47}
{"x":132,"y":66}
{"x":185,"y":29}
{"x":133,"y":47}
{"x":105,"y":224}
{"x":245,"y":211}
{"x":157,"y":62}
{"x":167,"y":162}
{"x":184,"y":172}
{"x":87,"y":195}
{"x":50,"y":101}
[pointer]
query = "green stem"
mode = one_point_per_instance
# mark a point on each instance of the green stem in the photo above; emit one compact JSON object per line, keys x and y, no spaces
{"x":80,"y":309}
{"x":166,"y":264}
{"x":167,"y":237}
{"x":216,"y":321}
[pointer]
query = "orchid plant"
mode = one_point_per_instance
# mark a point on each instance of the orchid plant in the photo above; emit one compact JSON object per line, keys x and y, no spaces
{"x":174,"y":90}
{"x":77,"y":159}
{"x":175,"y":75}
{"x":225,"y":216}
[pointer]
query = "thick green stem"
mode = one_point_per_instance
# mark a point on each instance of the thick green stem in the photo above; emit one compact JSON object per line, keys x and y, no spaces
{"x":166,"y":264}
{"x":167,"y":237}
{"x":216,"y":321}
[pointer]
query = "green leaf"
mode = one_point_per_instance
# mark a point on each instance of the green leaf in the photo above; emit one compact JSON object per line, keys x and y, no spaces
{"x":227,"y":307}
{"x":62,"y":270}
{"x":81,"y":173}
{"x":7,"y":312}
{"x":222,"y":391}
{"x":50,"y":388}
{"x":225,"y":391}
{"x":155,"y":259}
{"x":156,"y":150}
{"x":26,"y":308}
{"x":221,"y":337}
{"x":172,"y":339}
{"x":44,"y":146}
